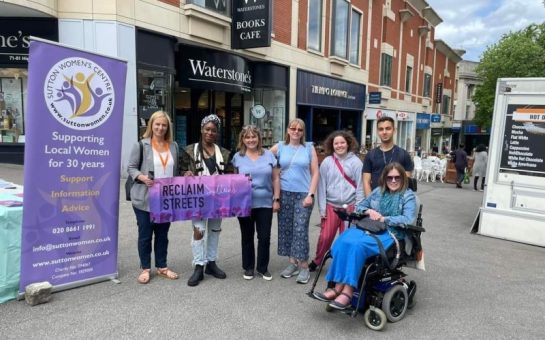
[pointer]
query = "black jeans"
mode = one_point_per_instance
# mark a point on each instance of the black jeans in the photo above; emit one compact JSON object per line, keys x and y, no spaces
{"x":146,"y":230}
{"x":260,"y":220}
{"x":476,"y":180}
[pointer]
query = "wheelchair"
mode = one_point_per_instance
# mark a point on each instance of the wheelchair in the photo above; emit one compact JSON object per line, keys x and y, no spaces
{"x":383,"y":293}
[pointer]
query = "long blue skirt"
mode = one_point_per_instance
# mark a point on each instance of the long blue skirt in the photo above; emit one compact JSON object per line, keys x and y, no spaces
{"x":350,"y":251}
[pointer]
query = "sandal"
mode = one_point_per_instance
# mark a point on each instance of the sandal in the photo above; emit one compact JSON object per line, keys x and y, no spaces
{"x":322,"y":296}
{"x":144,"y":277}
{"x":167,"y":273}
{"x":341,"y":306}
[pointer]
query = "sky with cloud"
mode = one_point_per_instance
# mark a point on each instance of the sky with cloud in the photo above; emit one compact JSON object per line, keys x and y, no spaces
{"x":473,"y":25}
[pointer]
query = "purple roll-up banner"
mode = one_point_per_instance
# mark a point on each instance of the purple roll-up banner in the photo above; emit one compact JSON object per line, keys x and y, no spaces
{"x":72,"y":166}
{"x":184,"y":198}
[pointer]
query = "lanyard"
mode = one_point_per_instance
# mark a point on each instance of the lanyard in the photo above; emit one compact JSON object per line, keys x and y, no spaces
{"x":164,"y":160}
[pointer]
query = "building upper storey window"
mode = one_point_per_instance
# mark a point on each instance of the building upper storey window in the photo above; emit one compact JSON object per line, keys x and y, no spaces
{"x":386,"y":70}
{"x":427,"y":85}
{"x":341,"y":13}
{"x":220,"y":6}
{"x":346,"y":27}
{"x":314,"y":41}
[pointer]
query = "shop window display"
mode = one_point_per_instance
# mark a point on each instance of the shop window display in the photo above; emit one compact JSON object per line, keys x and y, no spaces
{"x":271,"y":120}
{"x":13,"y":84}
{"x":154,"y":93}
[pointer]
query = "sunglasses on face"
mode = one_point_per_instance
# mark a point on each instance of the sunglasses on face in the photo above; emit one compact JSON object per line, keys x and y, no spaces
{"x":391,"y":179}
{"x":296,"y":129}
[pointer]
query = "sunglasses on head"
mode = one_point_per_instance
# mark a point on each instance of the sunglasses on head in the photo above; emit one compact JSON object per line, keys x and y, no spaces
{"x":393,"y":178}
{"x":296,"y":129}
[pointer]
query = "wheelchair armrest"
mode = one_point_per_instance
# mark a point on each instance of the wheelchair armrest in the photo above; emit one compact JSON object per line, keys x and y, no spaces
{"x":415,"y":228}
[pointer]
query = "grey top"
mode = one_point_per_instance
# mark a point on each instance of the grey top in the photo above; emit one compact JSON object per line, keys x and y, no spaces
{"x":139,"y":191}
{"x":479,"y":166}
{"x":333,"y":188}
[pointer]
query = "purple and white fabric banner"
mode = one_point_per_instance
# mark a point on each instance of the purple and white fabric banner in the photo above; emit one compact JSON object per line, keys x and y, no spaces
{"x":72,"y":166}
{"x":184,"y":198}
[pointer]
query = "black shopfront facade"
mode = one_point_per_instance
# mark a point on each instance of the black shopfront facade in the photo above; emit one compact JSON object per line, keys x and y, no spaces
{"x":229,"y":85}
{"x":191,"y":81}
{"x":14,"y":49}
{"x":327,"y":104}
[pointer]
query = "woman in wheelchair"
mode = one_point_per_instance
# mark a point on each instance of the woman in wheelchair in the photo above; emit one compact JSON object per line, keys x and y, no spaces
{"x":393,"y":203}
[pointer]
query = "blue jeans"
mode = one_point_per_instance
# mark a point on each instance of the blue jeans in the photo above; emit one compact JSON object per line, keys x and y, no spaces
{"x":146,"y":230}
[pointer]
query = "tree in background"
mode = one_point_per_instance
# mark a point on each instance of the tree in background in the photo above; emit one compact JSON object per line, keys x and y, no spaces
{"x":516,"y":54}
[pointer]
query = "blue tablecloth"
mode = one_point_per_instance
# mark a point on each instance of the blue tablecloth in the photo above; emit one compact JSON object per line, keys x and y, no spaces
{"x":11,"y":218}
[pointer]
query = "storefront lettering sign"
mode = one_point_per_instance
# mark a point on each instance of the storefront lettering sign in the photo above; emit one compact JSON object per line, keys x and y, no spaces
{"x":315,"y":89}
{"x":14,"y":37}
{"x":210,"y":69}
{"x":251,"y":25}
{"x":423,"y":120}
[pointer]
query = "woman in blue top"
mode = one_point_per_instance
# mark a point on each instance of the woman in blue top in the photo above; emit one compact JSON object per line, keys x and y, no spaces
{"x":298,"y":182}
{"x":260,"y":164}
{"x":393,"y":203}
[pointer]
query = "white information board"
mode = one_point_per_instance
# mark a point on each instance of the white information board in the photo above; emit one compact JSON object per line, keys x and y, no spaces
{"x":514,"y":200}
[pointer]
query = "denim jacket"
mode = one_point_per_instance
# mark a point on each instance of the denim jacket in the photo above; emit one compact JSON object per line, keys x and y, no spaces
{"x":396,"y":224}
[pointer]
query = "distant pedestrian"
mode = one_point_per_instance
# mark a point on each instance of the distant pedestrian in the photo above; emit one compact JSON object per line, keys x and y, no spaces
{"x":479,"y":166}
{"x":460,"y":164}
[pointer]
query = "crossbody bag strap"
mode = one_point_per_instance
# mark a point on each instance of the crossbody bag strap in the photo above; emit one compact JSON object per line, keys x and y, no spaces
{"x":341,"y":169}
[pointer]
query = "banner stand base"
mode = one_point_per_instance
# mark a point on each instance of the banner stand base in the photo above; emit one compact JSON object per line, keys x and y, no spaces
{"x":76,"y":284}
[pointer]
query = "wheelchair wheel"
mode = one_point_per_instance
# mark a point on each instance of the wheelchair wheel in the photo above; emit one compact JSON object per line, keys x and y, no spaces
{"x":375,"y":319}
{"x":394,"y":303}
{"x":412,"y":295}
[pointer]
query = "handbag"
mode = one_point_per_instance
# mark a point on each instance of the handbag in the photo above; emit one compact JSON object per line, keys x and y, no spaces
{"x":372,"y":226}
{"x":130,"y":181}
{"x":466,"y":177}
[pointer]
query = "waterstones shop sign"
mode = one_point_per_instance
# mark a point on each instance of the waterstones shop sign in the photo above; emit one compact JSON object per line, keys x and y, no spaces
{"x":209,"y":69}
{"x":251,"y":25}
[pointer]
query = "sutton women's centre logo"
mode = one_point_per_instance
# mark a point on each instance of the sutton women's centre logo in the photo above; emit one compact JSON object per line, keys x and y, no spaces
{"x":79,"y":93}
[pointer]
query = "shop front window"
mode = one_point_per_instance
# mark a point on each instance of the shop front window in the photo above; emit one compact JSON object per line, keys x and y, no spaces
{"x":273,"y":122}
{"x":13,"y":91}
{"x":154,"y":93}
{"x":404,"y":129}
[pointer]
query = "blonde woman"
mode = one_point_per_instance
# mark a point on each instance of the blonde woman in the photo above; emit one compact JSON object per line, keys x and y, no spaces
{"x":159,"y":160}
{"x":299,"y":173}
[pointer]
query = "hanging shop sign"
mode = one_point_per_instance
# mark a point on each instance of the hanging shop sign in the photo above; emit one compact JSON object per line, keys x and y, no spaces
{"x":317,"y":90}
{"x":439,"y":92}
{"x":251,"y":24}
{"x":423,"y":121}
{"x":15,"y":33}
{"x":436,"y":118}
{"x":209,"y":69}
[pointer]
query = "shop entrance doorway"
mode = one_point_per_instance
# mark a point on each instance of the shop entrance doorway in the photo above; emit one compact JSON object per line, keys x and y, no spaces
{"x":192,"y":105}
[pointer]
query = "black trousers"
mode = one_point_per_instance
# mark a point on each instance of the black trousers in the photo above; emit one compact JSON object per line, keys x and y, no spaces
{"x":260,"y":220}
{"x":476,"y":180}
